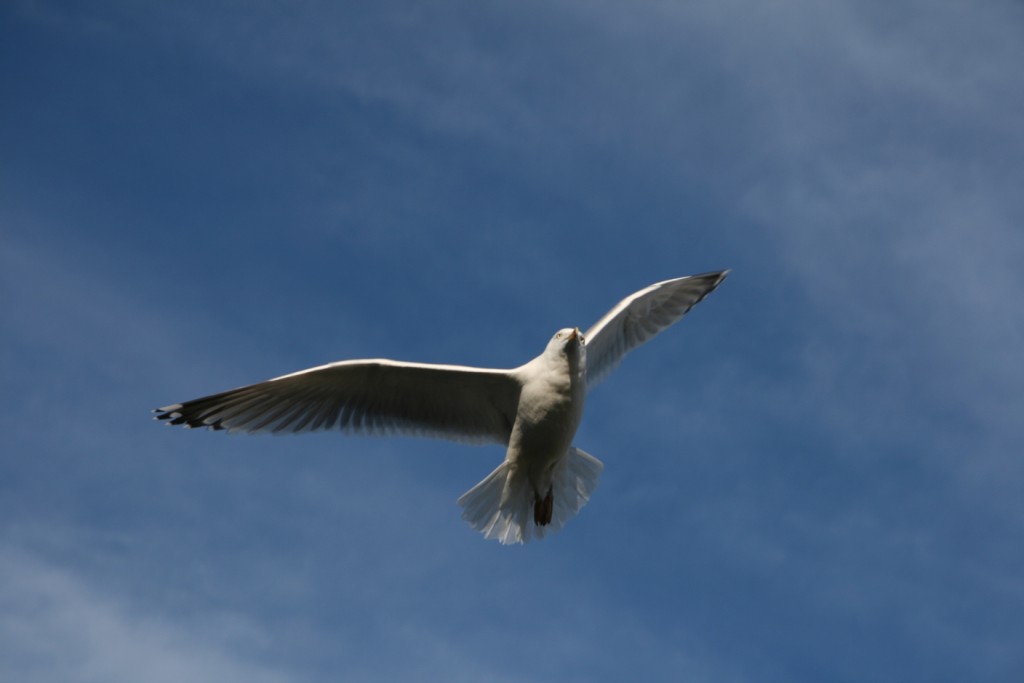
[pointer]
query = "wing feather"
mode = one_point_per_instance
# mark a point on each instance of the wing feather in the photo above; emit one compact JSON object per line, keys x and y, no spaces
{"x":365,"y":397}
{"x":641,"y":316}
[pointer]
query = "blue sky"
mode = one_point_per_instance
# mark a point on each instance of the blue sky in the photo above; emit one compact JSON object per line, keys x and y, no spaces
{"x":816,"y":476}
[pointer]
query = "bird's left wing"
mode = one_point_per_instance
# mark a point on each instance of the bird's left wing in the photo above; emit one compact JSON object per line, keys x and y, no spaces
{"x":640,"y":316}
{"x":370,"y":397}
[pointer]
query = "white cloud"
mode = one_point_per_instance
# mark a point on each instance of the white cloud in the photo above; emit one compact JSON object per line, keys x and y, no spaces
{"x":54,"y":627}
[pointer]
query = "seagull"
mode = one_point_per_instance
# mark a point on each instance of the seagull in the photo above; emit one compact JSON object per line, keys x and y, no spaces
{"x":533,"y":410}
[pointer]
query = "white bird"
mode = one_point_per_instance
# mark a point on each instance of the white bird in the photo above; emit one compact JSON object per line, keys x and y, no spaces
{"x":534,"y":409}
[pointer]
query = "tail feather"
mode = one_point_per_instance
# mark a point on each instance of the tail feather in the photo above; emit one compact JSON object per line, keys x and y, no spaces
{"x":575,"y":479}
{"x":502,"y":505}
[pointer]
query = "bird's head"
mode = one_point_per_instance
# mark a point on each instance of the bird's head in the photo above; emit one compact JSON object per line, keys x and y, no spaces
{"x":568,"y":341}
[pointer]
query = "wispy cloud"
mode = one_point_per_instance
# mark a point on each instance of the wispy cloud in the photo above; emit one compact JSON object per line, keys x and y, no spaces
{"x":56,"y":627}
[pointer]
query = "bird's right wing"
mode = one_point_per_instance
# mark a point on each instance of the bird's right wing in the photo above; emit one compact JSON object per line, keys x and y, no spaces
{"x":641,"y":316}
{"x":365,"y":397}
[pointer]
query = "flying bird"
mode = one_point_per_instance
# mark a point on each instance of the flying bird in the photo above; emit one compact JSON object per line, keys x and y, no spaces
{"x":533,"y":410}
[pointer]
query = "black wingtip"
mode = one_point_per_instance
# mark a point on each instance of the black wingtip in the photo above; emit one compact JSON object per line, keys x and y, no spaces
{"x":166,"y":412}
{"x":172,"y":416}
{"x":712,"y":280}
{"x":716,"y":275}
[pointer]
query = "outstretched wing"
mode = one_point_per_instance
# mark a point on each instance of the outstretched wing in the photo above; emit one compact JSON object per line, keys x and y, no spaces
{"x":365,"y":397}
{"x":640,"y":317}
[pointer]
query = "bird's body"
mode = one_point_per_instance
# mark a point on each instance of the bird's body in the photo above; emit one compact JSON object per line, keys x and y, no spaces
{"x":534,"y":409}
{"x":549,"y":412}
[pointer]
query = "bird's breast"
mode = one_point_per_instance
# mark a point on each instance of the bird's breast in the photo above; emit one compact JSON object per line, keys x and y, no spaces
{"x":550,"y":408}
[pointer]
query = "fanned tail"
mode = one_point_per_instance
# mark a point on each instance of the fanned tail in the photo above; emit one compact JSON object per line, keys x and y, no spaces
{"x":501,"y":506}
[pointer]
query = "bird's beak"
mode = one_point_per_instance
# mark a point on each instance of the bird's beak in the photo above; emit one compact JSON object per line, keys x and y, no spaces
{"x":575,"y":333}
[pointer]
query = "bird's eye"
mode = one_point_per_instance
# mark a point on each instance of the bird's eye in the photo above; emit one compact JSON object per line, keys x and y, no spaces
{"x":558,"y":335}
